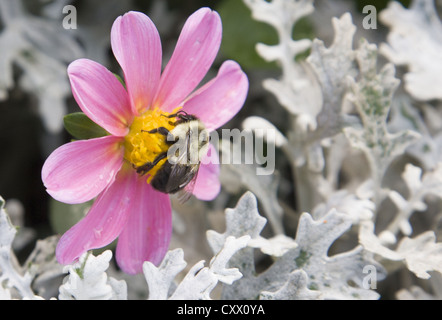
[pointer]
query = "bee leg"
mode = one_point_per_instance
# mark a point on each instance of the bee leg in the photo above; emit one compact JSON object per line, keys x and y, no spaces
{"x":175,"y":115}
{"x":145,"y":168}
{"x":182,"y":115}
{"x":160,"y":130}
{"x":170,"y":139}
{"x":178,"y":114}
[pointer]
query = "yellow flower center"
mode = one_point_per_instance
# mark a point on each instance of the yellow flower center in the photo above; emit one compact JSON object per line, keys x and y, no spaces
{"x":141,"y":146}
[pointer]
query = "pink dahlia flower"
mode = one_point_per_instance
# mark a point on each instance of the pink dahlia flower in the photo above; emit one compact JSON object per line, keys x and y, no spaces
{"x":126,"y":205}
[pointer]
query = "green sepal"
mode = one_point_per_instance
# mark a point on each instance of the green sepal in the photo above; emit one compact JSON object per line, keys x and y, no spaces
{"x":121,"y":80}
{"x":83,"y":128}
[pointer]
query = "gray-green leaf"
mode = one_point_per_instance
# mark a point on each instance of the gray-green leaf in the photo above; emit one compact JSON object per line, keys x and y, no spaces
{"x":83,"y":128}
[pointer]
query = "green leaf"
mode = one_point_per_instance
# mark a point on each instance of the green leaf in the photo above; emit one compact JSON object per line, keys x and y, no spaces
{"x":83,"y":128}
{"x":241,"y":34}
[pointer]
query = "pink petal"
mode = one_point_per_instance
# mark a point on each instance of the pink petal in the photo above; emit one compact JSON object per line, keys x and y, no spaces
{"x":207,"y":185}
{"x":194,"y":53}
{"x":104,"y":221}
{"x":78,"y":171}
{"x":147,"y":234}
{"x":219,"y":100}
{"x":101,"y":96}
{"x":137,"y":47}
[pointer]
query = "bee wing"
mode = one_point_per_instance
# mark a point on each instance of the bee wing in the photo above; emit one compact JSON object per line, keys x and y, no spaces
{"x":186,"y":193}
{"x":181,"y":173}
{"x":179,"y":177}
{"x":184,"y":196}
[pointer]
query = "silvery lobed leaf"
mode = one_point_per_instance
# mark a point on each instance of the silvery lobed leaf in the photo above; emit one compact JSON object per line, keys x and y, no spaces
{"x":261,"y":126}
{"x":297,"y":90}
{"x":302,"y":98}
{"x":328,"y":276}
{"x":276,"y":246}
{"x":294,"y":289}
{"x":219,"y":263}
{"x":200,"y":281}
{"x":372,"y":95}
{"x":7,"y":230}
{"x":87,"y":280}
{"x":345,"y":202}
{"x":332,"y":65}
{"x":405,"y":115}
{"x":422,"y":254}
{"x":196,"y":285}
{"x":243,"y":220}
{"x":44,"y":268}
{"x":278,"y":12}
{"x":9,"y":276}
{"x":372,"y":243}
{"x":160,"y":279}
{"x":419,"y":186}
{"x":415,"y":40}
{"x":264,"y":186}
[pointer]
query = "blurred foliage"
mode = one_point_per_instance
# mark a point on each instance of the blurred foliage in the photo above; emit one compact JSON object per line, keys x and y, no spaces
{"x":20,"y":156}
{"x":247,"y":33}
{"x":63,"y":216}
{"x":241,"y":33}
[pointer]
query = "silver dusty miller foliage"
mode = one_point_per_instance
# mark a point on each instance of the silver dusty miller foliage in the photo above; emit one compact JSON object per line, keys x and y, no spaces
{"x":363,"y":140}
{"x":33,"y":44}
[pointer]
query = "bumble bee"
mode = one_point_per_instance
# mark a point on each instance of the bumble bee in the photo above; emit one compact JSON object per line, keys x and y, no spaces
{"x":189,"y":143}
